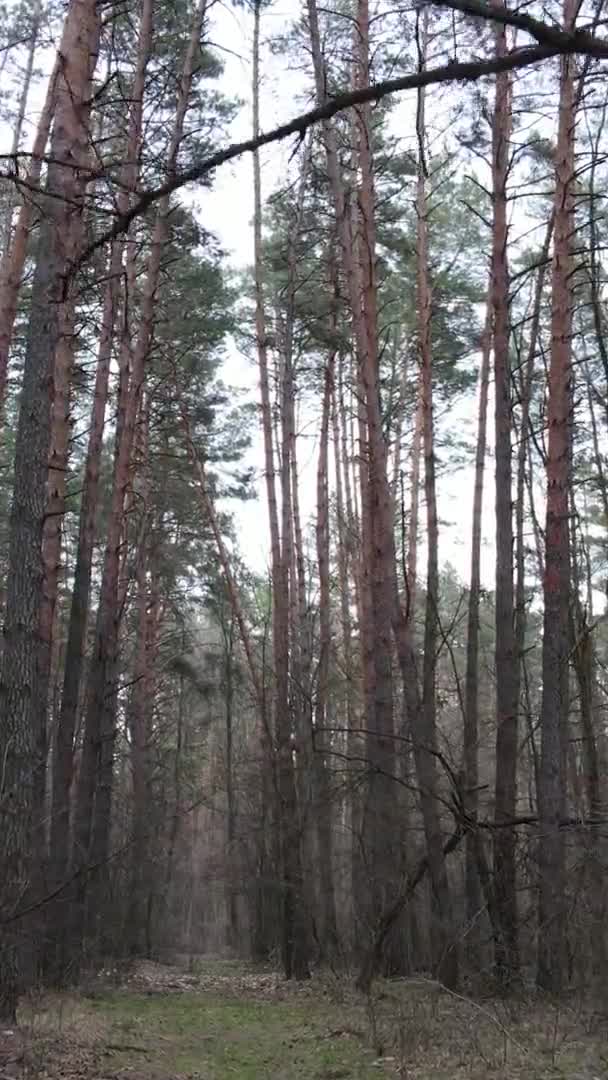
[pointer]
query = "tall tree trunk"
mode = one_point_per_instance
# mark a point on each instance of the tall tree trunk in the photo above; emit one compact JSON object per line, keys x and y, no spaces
{"x":382,"y":515}
{"x":141,"y":706}
{"x":506,"y":944}
{"x":232,"y":928}
{"x":58,"y":243}
{"x":94,"y":794}
{"x":471,"y":714}
{"x":329,"y":931}
{"x":14,"y":254}
{"x":266,"y":906}
{"x":439,"y":933}
{"x":81,"y":590}
{"x":413,"y":527}
{"x":352,"y":736}
{"x":380,"y":835}
{"x":556,"y":583}
{"x":294,"y":928}
{"x":51,"y":561}
{"x":26,"y":82}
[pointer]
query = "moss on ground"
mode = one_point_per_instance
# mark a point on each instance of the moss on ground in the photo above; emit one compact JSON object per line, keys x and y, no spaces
{"x":225,"y":1021}
{"x":216,"y":1039}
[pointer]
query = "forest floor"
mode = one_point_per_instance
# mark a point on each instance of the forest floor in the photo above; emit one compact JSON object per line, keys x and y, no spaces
{"x":225,"y":1021}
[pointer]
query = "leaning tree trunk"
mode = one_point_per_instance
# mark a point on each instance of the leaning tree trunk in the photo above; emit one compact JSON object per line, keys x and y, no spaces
{"x":556,"y":582}
{"x":58,"y":243}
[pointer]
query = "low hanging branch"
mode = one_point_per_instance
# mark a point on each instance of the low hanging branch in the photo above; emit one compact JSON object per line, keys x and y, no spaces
{"x":551,"y":41}
{"x":224,"y":557}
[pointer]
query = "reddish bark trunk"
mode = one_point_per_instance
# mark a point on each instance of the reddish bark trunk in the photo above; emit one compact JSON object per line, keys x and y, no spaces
{"x":94,"y":795}
{"x":7,"y":227}
{"x":14,"y":255}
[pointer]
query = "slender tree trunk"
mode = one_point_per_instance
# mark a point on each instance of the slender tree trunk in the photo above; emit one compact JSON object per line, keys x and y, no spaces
{"x":80,"y":604}
{"x":7,"y":226}
{"x":424,"y":314}
{"x":94,"y":795}
{"x":329,"y":932}
{"x":505,"y":795}
{"x":295,"y":936}
{"x":556,"y":583}
{"x":381,"y":511}
{"x":266,"y":903}
{"x":14,"y":254}
{"x":58,"y":243}
{"x":141,"y":705}
{"x":471,"y":716}
{"x":413,"y":527}
{"x":51,"y":560}
{"x":232,"y":929}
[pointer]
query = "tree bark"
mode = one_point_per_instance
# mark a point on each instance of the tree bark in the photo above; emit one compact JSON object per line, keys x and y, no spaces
{"x":556,"y":584}
{"x":506,"y":953}
{"x":269,"y":793}
{"x":94,"y":794}
{"x":81,"y":590}
{"x":59,"y":240}
{"x":424,"y":304}
{"x":7,"y":226}
{"x":471,"y":715}
{"x":14,"y":255}
{"x":329,"y":930}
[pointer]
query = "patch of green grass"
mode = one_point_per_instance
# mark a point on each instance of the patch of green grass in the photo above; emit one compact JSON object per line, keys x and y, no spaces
{"x":195,"y":1035}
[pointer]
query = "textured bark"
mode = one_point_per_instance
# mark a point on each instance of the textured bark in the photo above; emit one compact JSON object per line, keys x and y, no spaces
{"x":523,"y":451}
{"x":413,"y":527}
{"x":80,"y":603}
{"x":506,"y":662}
{"x":7,"y":225}
{"x":329,"y":931}
{"x":309,"y":805}
{"x":59,"y":239}
{"x":381,"y":512}
{"x":140,"y":711}
{"x":51,"y":554}
{"x":471,"y":691}
{"x":13,"y":257}
{"x":291,"y":811}
{"x":445,"y":956}
{"x":232,"y":928}
{"x":350,"y":675}
{"x":379,"y":833}
{"x":556,"y":584}
{"x":265,"y":906}
{"x":95,"y":785}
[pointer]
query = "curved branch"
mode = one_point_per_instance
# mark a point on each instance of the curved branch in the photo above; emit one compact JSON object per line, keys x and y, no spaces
{"x":454,"y":71}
